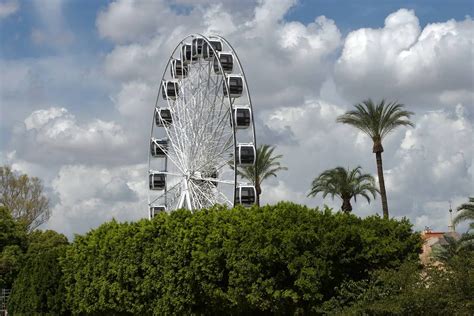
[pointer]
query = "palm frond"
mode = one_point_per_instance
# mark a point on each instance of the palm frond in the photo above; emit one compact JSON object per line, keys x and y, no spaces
{"x":266,"y":165}
{"x":344,"y":183}
{"x":377,"y":120}
{"x":466,"y":212}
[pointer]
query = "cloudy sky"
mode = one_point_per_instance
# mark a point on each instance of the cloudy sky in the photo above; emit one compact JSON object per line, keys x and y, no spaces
{"x":78,"y":81}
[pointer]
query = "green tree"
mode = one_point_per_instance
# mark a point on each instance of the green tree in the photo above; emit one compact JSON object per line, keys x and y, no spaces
{"x":377,"y":121}
{"x":346,"y":184}
{"x":38,"y":288}
{"x":444,"y":252}
{"x":13,"y":243}
{"x":266,"y":166}
{"x":411,"y":290}
{"x":23,"y":197}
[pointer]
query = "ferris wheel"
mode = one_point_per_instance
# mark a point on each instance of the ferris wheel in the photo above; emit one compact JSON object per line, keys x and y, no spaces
{"x":202,"y":129}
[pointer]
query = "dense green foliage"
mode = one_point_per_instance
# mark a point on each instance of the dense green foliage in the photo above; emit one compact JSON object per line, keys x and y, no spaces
{"x":38,"y":287}
{"x":13,"y":242}
{"x":409,"y":290}
{"x":282,"y":259}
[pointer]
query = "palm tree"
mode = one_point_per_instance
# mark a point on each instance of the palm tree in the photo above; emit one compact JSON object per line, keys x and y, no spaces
{"x":466,"y":242}
{"x":346,"y":184}
{"x":266,"y":165}
{"x":444,"y":252}
{"x":466,"y":213}
{"x":378,"y":120}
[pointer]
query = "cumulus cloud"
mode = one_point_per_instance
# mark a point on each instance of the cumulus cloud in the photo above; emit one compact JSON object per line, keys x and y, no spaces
{"x":440,"y":150}
{"x":125,"y":20}
{"x":403,"y":61}
{"x":54,"y":135}
{"x":91,"y":195}
{"x":136,"y":100}
{"x":8,"y":8}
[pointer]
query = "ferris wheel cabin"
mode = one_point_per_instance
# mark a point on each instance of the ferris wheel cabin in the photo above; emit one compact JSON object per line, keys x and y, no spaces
{"x":245,"y":195}
{"x":157,"y":181}
{"x":155,"y":210}
{"x":236,"y":86}
{"x":178,"y":69}
{"x":207,"y":52}
{"x":245,"y":154}
{"x":227,"y":62}
{"x":197,"y":47}
{"x":187,"y":54}
{"x":163,"y":117}
{"x":242,"y":117}
{"x":158,"y":147}
{"x":169,"y":90}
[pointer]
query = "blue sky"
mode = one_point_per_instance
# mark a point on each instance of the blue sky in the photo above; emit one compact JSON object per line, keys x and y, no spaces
{"x":371,"y":13}
{"x":80,"y":16}
{"x":79,"y":79}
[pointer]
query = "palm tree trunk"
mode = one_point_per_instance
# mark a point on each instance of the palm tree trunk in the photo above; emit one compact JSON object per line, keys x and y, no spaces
{"x":259,"y":191}
{"x":346,"y":206}
{"x":383,"y":194}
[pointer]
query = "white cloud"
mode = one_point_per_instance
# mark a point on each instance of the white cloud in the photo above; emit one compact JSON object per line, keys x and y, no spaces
{"x":440,"y":150}
{"x":218,"y":21}
{"x":275,"y":191}
{"x":8,"y":8}
{"x":125,"y":20}
{"x":53,"y":135}
{"x":136,"y":100}
{"x":41,"y":117}
{"x":90,"y":195}
{"x":401,"y":61}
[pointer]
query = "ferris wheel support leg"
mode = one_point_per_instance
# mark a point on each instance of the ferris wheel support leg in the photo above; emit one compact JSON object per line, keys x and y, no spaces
{"x":186,"y":194}
{"x":181,"y":200}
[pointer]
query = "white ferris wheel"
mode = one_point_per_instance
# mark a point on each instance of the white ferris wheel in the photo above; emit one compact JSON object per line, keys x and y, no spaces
{"x":202,"y":129}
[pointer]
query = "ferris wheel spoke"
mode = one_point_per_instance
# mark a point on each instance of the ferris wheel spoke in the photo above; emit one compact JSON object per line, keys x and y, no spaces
{"x":216,"y":158}
{"x":166,"y":172}
{"x":204,"y":195}
{"x":162,"y":195}
{"x":224,"y":197}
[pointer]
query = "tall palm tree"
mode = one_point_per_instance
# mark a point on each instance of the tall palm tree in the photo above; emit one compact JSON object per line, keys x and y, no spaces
{"x":466,"y":213}
{"x":346,"y":184}
{"x":378,"y":120}
{"x":266,"y":165}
